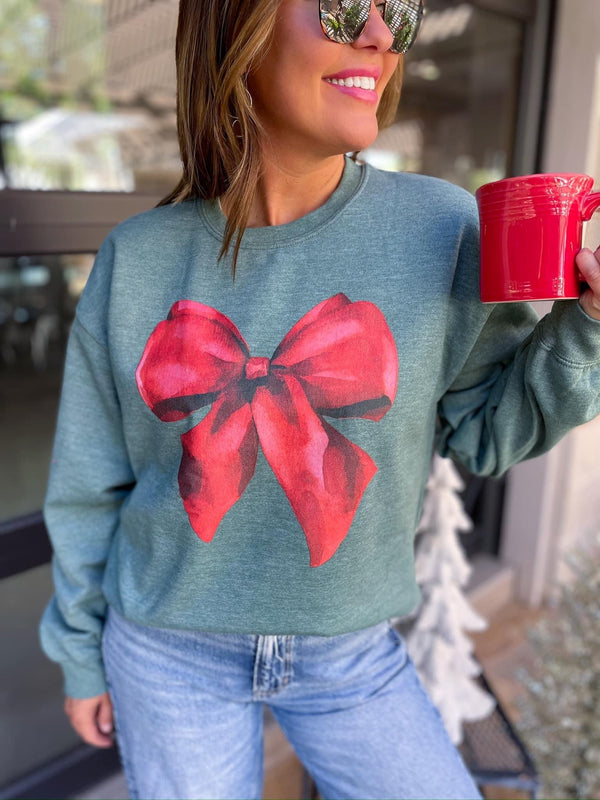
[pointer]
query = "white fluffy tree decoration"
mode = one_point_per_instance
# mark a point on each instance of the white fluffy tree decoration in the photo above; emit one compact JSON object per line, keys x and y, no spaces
{"x":436,"y":642}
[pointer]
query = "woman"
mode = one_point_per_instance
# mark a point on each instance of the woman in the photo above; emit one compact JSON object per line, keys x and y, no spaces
{"x":240,"y":459}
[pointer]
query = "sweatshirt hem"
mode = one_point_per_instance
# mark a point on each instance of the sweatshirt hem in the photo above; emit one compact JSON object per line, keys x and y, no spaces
{"x":395,"y":611}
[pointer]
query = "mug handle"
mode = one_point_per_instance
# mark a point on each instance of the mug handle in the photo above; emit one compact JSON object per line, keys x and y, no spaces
{"x":589,"y":205}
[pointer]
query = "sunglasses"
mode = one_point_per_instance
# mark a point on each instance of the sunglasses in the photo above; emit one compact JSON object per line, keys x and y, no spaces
{"x":343,"y":21}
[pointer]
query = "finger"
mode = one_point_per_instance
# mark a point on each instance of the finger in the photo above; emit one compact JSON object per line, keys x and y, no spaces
{"x":105,"y":715}
{"x":82,"y":715}
{"x":88,"y":730}
{"x":588,"y":264}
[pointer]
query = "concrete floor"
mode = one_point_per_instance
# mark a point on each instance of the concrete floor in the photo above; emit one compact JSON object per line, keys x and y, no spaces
{"x":113,"y":788}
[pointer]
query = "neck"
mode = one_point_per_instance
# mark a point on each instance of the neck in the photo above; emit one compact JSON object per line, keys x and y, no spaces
{"x":290,"y":189}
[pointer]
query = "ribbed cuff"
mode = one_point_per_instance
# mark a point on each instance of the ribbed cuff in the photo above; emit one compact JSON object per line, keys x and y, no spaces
{"x":571,"y":334}
{"x":81,"y":682}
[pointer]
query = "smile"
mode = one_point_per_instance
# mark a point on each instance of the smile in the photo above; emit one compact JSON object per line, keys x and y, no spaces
{"x":360,"y":82}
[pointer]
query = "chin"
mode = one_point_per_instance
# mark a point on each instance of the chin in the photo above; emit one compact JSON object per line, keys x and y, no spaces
{"x":361,"y":142}
{"x":364,"y":135}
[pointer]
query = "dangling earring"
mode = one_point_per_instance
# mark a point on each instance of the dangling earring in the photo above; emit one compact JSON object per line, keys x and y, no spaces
{"x":234,"y":120}
{"x":248,"y":93}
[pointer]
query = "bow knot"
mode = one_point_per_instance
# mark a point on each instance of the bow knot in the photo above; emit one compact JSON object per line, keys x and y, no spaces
{"x":338,"y":360}
{"x":257,"y":367}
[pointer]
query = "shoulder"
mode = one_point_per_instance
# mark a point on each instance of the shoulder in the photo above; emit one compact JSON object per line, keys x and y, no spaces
{"x":129,"y":255}
{"x":427,"y":221}
{"x":422,"y":196}
{"x":154,"y":225}
{"x":143,"y":231}
{"x":147,"y":231}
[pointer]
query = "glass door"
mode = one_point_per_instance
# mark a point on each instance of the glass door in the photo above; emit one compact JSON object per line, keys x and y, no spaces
{"x":88,"y":138}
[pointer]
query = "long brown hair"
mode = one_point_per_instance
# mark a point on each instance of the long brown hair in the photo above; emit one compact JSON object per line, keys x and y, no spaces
{"x":218,"y":42}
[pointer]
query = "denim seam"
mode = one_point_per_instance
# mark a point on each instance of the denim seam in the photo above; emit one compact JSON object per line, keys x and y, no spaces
{"x":125,"y":763}
{"x":287,"y":667}
{"x":131,"y":784}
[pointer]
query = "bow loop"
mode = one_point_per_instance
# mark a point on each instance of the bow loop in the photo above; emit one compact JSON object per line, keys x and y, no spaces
{"x":189,"y":359}
{"x":345,"y":359}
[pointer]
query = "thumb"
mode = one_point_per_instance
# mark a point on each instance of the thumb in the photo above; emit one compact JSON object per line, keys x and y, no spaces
{"x":589,"y":267}
{"x":104,"y":717}
{"x":588,"y":264}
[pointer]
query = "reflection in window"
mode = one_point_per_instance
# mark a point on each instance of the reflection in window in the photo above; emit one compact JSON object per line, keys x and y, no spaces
{"x":458,"y":109}
{"x":38,"y":296}
{"x":87,"y":95}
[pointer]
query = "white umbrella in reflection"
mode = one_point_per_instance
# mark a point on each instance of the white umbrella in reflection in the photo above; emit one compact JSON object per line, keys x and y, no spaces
{"x":86,"y":143}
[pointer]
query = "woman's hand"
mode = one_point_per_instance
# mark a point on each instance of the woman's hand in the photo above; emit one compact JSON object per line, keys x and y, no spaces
{"x":92,"y":718}
{"x":588,"y":264}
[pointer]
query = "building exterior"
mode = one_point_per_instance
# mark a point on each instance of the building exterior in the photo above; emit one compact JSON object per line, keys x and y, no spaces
{"x":87,"y":127}
{"x":553,"y":501}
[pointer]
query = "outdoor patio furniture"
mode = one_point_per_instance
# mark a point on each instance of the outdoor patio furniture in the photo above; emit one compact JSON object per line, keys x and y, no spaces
{"x":494,"y":753}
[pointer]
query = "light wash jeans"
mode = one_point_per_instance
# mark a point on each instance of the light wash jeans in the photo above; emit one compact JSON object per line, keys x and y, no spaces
{"x":189,"y":713}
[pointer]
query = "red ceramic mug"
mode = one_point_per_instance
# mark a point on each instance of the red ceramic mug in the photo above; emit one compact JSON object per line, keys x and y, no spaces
{"x":531,"y":231}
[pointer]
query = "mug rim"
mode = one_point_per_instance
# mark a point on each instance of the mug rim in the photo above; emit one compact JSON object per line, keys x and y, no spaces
{"x":524,"y":179}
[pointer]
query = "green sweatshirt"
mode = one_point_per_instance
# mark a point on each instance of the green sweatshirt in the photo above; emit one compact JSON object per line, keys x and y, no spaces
{"x":251,"y":456}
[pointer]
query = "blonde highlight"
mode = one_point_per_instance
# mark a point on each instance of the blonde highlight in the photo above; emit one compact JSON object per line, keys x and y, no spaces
{"x":218,"y":43}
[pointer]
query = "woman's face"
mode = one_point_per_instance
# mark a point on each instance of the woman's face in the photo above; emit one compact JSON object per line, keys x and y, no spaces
{"x":292,"y":91}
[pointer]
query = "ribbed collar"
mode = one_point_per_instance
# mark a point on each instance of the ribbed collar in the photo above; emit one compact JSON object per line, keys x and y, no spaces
{"x":353,"y":178}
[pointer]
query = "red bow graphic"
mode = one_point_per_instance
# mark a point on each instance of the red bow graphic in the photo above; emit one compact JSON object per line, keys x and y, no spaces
{"x":339,"y":360}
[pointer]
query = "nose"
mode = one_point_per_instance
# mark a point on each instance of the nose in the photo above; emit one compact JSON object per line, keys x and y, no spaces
{"x":375,"y":33}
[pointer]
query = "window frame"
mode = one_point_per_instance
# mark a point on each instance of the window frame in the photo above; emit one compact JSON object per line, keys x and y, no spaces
{"x":44,"y":222}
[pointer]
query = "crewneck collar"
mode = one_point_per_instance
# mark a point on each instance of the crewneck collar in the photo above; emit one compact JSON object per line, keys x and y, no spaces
{"x":352,"y":180}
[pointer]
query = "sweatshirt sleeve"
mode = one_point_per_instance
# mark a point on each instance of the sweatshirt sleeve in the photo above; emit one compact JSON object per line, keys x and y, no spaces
{"x":90,"y":476}
{"x":515,"y":384}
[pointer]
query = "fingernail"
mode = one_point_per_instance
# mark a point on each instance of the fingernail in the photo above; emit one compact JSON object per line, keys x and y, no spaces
{"x":105,"y":727}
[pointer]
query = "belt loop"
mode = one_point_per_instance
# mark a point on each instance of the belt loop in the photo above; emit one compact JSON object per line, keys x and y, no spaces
{"x":274,"y":649}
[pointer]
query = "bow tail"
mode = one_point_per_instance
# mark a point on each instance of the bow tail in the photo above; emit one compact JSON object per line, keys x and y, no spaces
{"x":323,"y":474}
{"x":219,"y":458}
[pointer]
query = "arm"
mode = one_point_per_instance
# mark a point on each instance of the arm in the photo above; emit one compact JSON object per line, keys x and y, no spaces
{"x":523,"y":384}
{"x":90,"y":476}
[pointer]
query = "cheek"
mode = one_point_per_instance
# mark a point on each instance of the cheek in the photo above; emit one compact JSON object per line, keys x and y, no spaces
{"x":293,"y":87}
{"x":304,"y":53}
{"x":283,"y":96}
{"x":293,"y":66}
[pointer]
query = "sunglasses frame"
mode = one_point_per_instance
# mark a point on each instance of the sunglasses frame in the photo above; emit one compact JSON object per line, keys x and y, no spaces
{"x":326,"y":19}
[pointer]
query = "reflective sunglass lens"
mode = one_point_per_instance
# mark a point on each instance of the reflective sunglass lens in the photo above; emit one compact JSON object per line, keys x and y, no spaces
{"x":343,"y":20}
{"x":403,"y":18}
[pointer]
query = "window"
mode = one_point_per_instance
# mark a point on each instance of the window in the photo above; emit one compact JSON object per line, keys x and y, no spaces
{"x":458,"y":110}
{"x":87,"y":95}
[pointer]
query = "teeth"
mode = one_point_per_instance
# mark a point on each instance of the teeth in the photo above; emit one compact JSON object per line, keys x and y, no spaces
{"x":361,"y":81}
